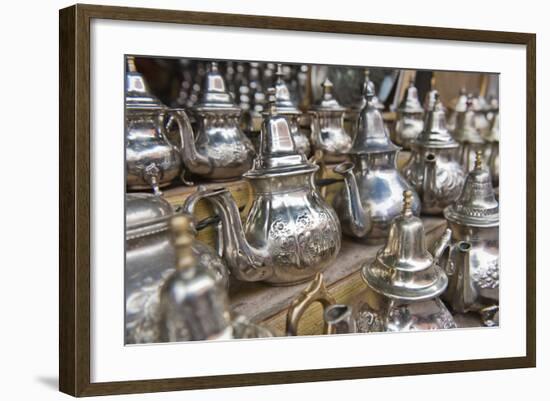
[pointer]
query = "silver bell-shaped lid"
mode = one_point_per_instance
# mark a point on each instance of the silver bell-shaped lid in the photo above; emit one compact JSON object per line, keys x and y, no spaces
{"x":435,"y":133}
{"x":466,"y":130}
{"x":459,"y":104}
{"x":214,"y":93}
{"x":145,"y":214}
{"x":410,"y":103}
{"x":476,"y":206}
{"x":328,"y":102}
{"x":277,"y":154}
{"x":138,"y":94}
{"x":283,"y":99}
{"x":371,"y":136}
{"x":193,"y":306}
{"x":404,"y":269}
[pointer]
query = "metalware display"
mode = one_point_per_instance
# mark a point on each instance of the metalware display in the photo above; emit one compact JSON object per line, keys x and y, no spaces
{"x":152,"y":161}
{"x":328,"y":133}
{"x":193,"y":306}
{"x":468,"y":136}
{"x":433,"y":168}
{"x":404,"y":282}
{"x":469,"y":248}
{"x":290,"y":232}
{"x":150,"y":259}
{"x":409,"y":118}
{"x":218,"y":150}
{"x":287,"y":108}
{"x":372,"y":195}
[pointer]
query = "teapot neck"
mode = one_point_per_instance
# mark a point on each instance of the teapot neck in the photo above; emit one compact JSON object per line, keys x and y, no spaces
{"x":270,"y":185}
{"x":369,"y":161}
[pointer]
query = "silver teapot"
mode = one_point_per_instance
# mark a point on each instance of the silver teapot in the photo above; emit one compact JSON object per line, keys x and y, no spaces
{"x":409,"y":122}
{"x":287,"y":108}
{"x":492,"y":144}
{"x":404,"y":282}
{"x":456,"y":106}
{"x":150,"y":259}
{"x":469,"y":248}
{"x":328,"y":133}
{"x":193,"y":306}
{"x":372,"y":194}
{"x":468,"y":136}
{"x":152,"y":161}
{"x":433,"y":169}
{"x":218,"y":150}
{"x":290,"y":232}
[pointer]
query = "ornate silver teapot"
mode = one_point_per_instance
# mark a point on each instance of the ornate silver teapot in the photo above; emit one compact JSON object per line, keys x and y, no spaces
{"x":468,"y":136}
{"x":433,"y":169}
{"x":193,"y":306}
{"x":150,"y":259}
{"x":218,"y":150}
{"x":402,"y":293}
{"x":287,"y":108}
{"x":409,"y":122}
{"x":328,"y":133}
{"x":152,"y":161}
{"x":290,"y":232}
{"x":372,"y":195}
{"x":404,"y":282}
{"x":469,"y":248}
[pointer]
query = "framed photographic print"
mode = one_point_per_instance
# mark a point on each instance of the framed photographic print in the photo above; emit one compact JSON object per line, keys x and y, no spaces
{"x":250,"y":200}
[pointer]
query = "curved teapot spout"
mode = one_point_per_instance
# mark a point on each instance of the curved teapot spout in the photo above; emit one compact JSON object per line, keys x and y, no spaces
{"x":429,"y":183}
{"x":196,"y":162}
{"x":246,"y":262}
{"x":360,"y":221}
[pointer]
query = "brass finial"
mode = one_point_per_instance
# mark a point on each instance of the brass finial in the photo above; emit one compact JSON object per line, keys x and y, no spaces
{"x":479,"y":160}
{"x":327,"y":86}
{"x":407,"y":202}
{"x":131,"y":61}
{"x":183,"y":235}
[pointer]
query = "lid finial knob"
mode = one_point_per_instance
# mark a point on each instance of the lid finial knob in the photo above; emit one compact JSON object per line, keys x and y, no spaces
{"x":407,"y":203}
{"x":131,"y":61}
{"x":479,"y":160}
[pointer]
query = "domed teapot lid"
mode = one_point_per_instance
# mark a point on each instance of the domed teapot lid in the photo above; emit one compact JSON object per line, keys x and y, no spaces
{"x":466,"y":130}
{"x":371,"y":136}
{"x":283,"y":100}
{"x":458,"y":104}
{"x":362,"y":102}
{"x":214,"y":93}
{"x":476,"y":206}
{"x":193,"y":306}
{"x":403,"y":268}
{"x":435,"y":133}
{"x":138,"y":95}
{"x":410,"y":102}
{"x":277,"y":154}
{"x":328,"y":102}
{"x":146,"y":214}
{"x":429,"y":100}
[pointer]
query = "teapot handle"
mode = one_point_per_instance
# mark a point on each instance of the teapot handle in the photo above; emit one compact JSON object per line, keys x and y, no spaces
{"x":315,"y":129}
{"x":315,"y":292}
{"x":179,"y":116}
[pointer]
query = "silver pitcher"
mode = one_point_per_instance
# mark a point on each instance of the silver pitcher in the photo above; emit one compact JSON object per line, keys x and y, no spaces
{"x":433,"y":169}
{"x":328,"y":133}
{"x":409,"y":122}
{"x":193,"y":306}
{"x":218,"y":150}
{"x":404,"y":282}
{"x":152,"y":161}
{"x":287,"y":108}
{"x":468,"y":136}
{"x":469,"y":248}
{"x":150,"y":259}
{"x":290,"y":232}
{"x":373,"y":193}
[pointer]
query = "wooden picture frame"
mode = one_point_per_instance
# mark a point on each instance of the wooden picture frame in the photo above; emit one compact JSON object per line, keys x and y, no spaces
{"x":74,"y":202}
